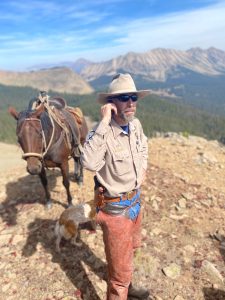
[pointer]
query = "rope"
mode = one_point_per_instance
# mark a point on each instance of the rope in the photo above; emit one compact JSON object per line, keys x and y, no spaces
{"x":45,"y":100}
{"x":27,"y":154}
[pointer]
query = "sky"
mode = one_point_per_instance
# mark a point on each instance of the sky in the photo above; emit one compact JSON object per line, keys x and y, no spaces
{"x":34,"y":32}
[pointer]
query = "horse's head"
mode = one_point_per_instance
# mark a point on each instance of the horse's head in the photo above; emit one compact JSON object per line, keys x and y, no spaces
{"x":30,"y":137}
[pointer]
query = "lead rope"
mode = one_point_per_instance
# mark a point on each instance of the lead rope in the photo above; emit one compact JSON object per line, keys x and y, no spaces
{"x":45,"y":100}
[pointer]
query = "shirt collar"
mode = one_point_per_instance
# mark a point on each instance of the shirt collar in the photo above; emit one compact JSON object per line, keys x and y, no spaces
{"x":117,"y":130}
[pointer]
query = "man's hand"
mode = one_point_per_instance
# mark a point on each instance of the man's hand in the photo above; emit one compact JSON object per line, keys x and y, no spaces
{"x":106,"y":112}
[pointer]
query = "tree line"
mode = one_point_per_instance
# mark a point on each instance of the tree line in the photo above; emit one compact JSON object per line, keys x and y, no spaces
{"x":155,"y":113}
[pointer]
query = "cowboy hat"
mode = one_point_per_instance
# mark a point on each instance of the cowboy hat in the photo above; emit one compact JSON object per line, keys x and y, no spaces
{"x":121,"y":84}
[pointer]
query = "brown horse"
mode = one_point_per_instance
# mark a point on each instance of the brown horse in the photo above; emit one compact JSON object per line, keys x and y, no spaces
{"x":48,"y":140}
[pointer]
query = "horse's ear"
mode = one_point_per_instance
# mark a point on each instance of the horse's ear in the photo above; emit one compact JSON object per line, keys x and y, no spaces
{"x":13,"y":112}
{"x":39,"y":110}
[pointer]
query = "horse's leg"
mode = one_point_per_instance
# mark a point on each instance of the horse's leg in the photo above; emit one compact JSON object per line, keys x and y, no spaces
{"x":76,"y":168}
{"x":65,"y":174}
{"x":44,"y":182}
{"x":81,"y":177}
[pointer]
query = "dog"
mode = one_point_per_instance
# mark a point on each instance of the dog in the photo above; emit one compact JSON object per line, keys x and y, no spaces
{"x":68,"y":223}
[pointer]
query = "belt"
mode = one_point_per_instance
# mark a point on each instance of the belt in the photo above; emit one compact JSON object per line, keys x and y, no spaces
{"x":125,"y":196}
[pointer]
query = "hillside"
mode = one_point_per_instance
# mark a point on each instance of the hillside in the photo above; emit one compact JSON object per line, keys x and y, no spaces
{"x":56,"y":79}
{"x":158,"y":114}
{"x":182,"y":256}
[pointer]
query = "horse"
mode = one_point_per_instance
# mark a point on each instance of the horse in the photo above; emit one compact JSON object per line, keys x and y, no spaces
{"x":49,"y":136}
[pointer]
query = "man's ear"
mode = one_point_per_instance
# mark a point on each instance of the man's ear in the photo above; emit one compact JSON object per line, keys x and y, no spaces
{"x":13,"y":112}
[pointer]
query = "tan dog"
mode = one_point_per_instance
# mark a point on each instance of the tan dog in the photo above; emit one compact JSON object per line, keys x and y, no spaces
{"x":68,"y":223}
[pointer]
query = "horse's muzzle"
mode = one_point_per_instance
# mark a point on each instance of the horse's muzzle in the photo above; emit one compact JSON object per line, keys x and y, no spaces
{"x":34,"y":165}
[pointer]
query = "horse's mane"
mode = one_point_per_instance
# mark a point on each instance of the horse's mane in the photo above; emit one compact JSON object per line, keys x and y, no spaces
{"x":45,"y":121}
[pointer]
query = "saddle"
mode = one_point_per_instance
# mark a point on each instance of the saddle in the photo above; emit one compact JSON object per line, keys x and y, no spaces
{"x":57,"y":102}
{"x":72,"y":119}
{"x":65,"y":116}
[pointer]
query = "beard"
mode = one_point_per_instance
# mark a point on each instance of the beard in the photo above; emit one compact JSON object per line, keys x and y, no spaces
{"x":125,"y":117}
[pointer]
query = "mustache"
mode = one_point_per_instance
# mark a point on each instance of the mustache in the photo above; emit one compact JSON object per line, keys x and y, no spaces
{"x":129,"y":110}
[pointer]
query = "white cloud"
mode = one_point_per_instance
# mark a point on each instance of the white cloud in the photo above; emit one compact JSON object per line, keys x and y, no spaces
{"x":203,"y":28}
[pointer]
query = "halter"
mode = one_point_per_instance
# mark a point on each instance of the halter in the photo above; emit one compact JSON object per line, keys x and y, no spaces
{"x":40,"y":155}
{"x":44,"y":99}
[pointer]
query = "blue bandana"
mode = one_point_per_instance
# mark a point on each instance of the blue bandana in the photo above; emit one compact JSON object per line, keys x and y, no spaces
{"x":125,"y":128}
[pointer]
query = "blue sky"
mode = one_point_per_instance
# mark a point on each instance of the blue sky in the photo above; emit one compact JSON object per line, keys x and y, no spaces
{"x":36,"y":32}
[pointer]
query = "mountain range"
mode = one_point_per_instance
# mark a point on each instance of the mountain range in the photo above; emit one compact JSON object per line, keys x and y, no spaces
{"x":160,"y":64}
{"x":194,"y":77}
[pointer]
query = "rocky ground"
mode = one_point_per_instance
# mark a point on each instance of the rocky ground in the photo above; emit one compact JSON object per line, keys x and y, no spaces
{"x":183,"y":252}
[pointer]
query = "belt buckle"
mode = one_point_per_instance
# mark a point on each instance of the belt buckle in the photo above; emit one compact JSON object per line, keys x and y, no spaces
{"x":130,"y":195}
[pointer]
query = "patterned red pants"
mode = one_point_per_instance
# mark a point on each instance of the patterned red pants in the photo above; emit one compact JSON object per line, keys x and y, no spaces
{"x":121,"y":236}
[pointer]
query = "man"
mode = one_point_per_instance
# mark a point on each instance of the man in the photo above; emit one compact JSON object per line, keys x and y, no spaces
{"x":117,"y":151}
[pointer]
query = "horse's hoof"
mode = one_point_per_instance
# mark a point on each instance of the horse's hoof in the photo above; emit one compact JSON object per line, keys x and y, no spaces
{"x":80,"y":183}
{"x":48,"y":205}
{"x":70,"y":205}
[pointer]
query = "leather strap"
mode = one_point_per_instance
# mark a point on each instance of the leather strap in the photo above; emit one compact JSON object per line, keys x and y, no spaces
{"x":125,"y":196}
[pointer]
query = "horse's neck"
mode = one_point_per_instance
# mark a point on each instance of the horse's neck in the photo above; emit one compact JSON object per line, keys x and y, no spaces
{"x":50,"y":128}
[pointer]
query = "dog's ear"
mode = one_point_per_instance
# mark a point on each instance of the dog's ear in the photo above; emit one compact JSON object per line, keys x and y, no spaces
{"x":71,"y":227}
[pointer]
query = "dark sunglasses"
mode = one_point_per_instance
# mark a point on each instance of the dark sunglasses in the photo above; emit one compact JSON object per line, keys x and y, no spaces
{"x":124,"y":98}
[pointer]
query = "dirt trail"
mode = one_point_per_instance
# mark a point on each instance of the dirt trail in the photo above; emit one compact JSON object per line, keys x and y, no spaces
{"x":10,"y":157}
{"x":182,"y":256}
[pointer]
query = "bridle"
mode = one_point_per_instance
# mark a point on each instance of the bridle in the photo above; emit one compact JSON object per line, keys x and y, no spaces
{"x":52,"y":116}
{"x":44,"y":143}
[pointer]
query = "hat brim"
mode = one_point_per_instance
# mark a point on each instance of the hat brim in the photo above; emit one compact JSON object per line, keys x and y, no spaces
{"x":102,"y":97}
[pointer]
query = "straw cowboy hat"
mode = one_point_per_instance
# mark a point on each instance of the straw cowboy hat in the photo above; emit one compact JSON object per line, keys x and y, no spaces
{"x":121,"y":84}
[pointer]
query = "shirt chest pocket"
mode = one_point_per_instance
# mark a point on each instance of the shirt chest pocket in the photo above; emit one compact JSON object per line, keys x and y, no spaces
{"x":121,"y":162}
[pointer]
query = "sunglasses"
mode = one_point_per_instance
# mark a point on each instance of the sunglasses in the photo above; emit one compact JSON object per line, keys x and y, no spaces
{"x":124,"y":98}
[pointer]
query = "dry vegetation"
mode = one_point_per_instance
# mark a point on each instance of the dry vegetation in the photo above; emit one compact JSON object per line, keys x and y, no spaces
{"x":183,"y":230}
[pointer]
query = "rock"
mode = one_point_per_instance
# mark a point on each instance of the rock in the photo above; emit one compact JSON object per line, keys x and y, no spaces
{"x":172,"y":271}
{"x":156,"y":231}
{"x":178,"y":217}
{"x":182,"y":203}
{"x":59,"y":294}
{"x":102,"y":285}
{"x":188,"y":196}
{"x":144,"y":232}
{"x":189,"y":248}
{"x":146,"y":198}
{"x":207,"y":203}
{"x":5,"y":287}
{"x":212,"y":272}
{"x":155,"y":205}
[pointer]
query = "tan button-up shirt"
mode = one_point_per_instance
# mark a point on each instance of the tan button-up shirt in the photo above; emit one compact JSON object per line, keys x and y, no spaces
{"x":119,"y":159}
